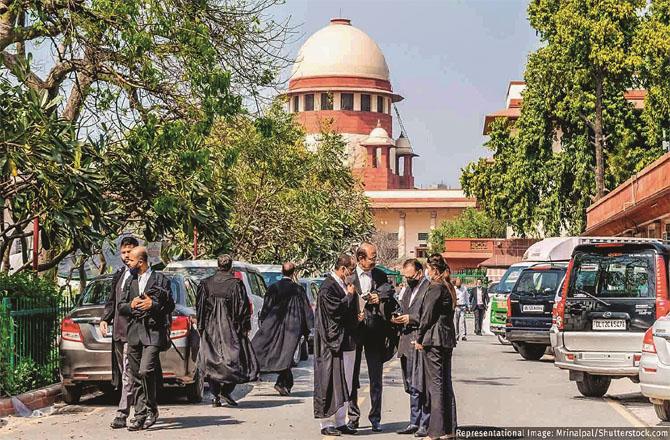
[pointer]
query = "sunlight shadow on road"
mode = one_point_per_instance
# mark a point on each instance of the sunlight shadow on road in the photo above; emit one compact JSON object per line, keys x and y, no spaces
{"x":244,"y":404}
{"x":193,"y":422}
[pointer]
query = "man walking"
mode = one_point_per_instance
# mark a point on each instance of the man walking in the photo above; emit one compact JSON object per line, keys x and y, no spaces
{"x":479,"y":299}
{"x":286,"y":316}
{"x":374,"y":332}
{"x":226,"y":357}
{"x":148,"y":304}
{"x":335,"y":349}
{"x":121,"y":376}
{"x":411,"y":362}
{"x":462,"y":304}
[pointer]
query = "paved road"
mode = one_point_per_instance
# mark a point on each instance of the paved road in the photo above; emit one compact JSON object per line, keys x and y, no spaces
{"x":494,"y":387}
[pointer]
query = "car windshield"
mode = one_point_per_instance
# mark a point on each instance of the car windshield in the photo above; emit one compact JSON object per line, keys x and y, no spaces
{"x":613,"y":275}
{"x":534,"y":282}
{"x":98,"y":291}
{"x":271,"y":277}
{"x":196,"y":273}
{"x":509,"y":279}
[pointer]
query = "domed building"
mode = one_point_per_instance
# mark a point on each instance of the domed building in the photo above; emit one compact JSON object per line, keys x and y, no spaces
{"x":341,"y":80}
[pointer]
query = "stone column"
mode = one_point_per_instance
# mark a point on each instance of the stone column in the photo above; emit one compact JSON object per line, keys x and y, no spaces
{"x":401,"y":236}
{"x":385,"y":159}
{"x":433,"y":220}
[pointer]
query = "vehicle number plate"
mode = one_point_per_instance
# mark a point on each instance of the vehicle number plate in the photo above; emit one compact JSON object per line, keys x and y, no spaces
{"x":609,"y":324}
{"x":533,"y":308}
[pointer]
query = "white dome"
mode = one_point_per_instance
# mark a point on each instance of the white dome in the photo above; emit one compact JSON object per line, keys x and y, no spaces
{"x":404,"y":146}
{"x":378,"y":136}
{"x":340,"y":49}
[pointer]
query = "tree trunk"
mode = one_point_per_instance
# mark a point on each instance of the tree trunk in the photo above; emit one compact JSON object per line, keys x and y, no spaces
{"x":598,"y":140}
{"x":82,"y":274}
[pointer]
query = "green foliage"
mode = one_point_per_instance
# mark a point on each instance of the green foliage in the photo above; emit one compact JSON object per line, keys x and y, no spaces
{"x":544,"y":172}
{"x":26,"y":375}
{"x":471,"y":223}
{"x":290,"y":202}
{"x":28,"y":285}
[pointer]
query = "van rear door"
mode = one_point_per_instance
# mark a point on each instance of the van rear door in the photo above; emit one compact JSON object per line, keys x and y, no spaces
{"x":611,"y":297}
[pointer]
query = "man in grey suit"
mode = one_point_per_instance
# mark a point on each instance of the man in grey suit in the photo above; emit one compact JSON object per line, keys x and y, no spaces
{"x":411,"y":302}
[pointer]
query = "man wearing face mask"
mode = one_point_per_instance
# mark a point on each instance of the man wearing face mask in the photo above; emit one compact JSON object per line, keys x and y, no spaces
{"x":411,"y":303}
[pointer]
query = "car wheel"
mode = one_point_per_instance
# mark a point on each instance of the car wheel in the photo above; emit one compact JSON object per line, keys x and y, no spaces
{"x":503,"y":340}
{"x":531,"y":352}
{"x":593,"y":386}
{"x":515,"y":346}
{"x":195,"y":390}
{"x":71,"y":393}
{"x":663,"y":410}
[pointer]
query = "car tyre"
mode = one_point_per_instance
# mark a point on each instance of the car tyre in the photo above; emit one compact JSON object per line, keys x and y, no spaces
{"x":593,"y":386}
{"x":531,"y":352}
{"x":71,"y":393}
{"x":663,"y":410}
{"x":515,"y":346}
{"x":195,"y":390}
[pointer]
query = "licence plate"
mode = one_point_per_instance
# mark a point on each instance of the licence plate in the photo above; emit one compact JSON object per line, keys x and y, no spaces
{"x":609,"y":324}
{"x":533,"y":308}
{"x":501,"y":304}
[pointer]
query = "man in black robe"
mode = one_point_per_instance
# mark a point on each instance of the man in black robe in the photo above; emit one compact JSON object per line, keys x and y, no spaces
{"x":226,"y":357}
{"x":335,"y":349}
{"x":286,"y":316}
{"x":121,"y":375}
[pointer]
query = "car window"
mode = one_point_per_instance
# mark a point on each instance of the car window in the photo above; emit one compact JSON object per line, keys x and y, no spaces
{"x":253,"y":282}
{"x":315,"y":291}
{"x":271,"y":277}
{"x":96,"y":293}
{"x":536,"y":282}
{"x":177,"y":289}
{"x":509,"y":279}
{"x":261,"y":285}
{"x":190,"y":293}
{"x":197,"y":273}
{"x":613,"y":275}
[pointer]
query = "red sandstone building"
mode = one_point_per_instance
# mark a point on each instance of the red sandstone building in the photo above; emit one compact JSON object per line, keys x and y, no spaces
{"x":341,"y":80}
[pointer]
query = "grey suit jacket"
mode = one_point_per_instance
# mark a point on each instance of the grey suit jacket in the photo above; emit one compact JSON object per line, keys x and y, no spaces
{"x":408,"y":332}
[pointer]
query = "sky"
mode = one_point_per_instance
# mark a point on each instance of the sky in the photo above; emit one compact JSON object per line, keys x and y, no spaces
{"x":451,"y":59}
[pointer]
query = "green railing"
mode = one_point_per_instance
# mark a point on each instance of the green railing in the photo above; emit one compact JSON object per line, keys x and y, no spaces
{"x":29,"y":329}
{"x":470,"y":276}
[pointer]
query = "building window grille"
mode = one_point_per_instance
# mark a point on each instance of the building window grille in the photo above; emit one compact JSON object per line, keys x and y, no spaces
{"x":380,"y":104}
{"x":326,"y":101}
{"x":365,"y":103}
{"x":347,"y":102}
{"x":309,"y":102}
{"x":296,"y":104}
{"x":423,"y":236}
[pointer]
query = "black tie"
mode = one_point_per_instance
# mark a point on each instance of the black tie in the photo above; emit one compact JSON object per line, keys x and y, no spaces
{"x":134,"y":287}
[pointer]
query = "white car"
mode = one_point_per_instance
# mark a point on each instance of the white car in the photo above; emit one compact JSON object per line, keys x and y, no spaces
{"x":248,"y":273}
{"x":655,"y":367}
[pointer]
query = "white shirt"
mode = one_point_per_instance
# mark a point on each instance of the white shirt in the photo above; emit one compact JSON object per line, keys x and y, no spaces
{"x":339,"y":281}
{"x":462,"y":295}
{"x":480,"y":302}
{"x":142,"y":280}
{"x":126,"y":275}
{"x":365,"y":278}
{"x":416,"y":290}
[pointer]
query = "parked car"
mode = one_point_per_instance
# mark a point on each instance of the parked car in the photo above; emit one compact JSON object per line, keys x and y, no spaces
{"x":85,"y":353}
{"x":655,"y":366}
{"x":271,"y":273}
{"x":529,"y":308}
{"x":250,"y":276}
{"x":613,"y":292}
{"x":311,"y":286}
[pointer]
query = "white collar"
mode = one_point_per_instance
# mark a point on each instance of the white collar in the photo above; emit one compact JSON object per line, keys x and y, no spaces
{"x":360,"y":271}
{"x":338,"y":280}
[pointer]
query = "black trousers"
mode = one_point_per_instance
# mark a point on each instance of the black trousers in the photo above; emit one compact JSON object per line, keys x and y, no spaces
{"x":374,"y":357}
{"x":218,"y":388}
{"x":419,"y":411}
{"x":145,"y":365}
{"x":285,"y":379}
{"x":479,"y":312}
{"x":437,"y":366}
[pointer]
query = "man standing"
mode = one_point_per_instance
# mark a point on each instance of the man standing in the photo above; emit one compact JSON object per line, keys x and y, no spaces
{"x":148,"y":304}
{"x":411,"y":304}
{"x":479,"y":299}
{"x":286,"y":316}
{"x":462,"y":304}
{"x":335,"y":349}
{"x":226,"y":357}
{"x":121,"y":376}
{"x":374,"y":332}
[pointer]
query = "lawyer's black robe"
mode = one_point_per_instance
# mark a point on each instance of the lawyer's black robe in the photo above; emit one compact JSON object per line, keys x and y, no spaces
{"x":285,"y":317}
{"x":224,"y":320}
{"x":336,"y":317}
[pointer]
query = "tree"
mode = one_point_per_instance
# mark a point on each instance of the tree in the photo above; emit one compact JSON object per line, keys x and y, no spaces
{"x":387,"y":248}
{"x":471,"y":223}
{"x":289,"y":202}
{"x":577,"y":135}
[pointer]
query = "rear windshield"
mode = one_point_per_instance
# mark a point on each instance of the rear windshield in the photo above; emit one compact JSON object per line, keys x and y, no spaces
{"x":271,"y":277}
{"x":196,"y":273}
{"x":534,"y":282}
{"x":613,"y":275}
{"x":509,"y":279}
{"x":98,"y":291}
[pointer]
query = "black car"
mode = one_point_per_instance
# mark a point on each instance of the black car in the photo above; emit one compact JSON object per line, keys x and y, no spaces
{"x":529,"y":308}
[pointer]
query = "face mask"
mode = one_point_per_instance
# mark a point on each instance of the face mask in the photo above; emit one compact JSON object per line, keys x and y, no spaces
{"x":134,"y":271}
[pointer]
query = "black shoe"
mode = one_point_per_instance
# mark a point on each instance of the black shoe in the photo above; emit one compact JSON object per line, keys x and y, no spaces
{"x":353,"y":425}
{"x":118,"y":422}
{"x":216,"y":402}
{"x":345,"y":429}
{"x":421,"y":432}
{"x":376,"y":427}
{"x":282,"y":390}
{"x":229,"y":400}
{"x":150,"y":421}
{"x":136,"y":424}
{"x":464,"y":338}
{"x":411,"y":429}
{"x":331,"y":432}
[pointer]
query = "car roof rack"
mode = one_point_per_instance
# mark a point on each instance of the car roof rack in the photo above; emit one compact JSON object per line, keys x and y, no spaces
{"x":561,"y":264}
{"x":595,"y":240}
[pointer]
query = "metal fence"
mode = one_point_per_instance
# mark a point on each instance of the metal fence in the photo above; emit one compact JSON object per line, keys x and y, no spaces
{"x":470,"y":276}
{"x":29,"y":329}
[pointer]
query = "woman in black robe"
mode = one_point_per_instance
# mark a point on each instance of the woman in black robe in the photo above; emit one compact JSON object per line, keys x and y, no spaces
{"x":226,"y":357}
{"x":437,"y":338}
